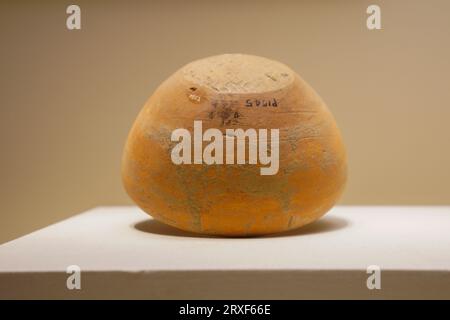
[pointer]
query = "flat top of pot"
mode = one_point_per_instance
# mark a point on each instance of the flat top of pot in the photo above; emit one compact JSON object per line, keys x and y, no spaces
{"x":238,"y":73}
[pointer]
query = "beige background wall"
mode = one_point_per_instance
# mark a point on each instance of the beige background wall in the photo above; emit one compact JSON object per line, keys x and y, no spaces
{"x":68,"y":98}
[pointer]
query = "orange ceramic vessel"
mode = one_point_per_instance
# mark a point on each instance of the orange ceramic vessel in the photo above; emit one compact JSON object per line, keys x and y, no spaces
{"x":229,"y":92}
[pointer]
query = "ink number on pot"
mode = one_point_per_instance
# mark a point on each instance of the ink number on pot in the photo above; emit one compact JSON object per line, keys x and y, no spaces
{"x":261,"y":103}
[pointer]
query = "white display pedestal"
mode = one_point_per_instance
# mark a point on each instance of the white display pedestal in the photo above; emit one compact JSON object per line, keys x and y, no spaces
{"x":123,"y":253}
